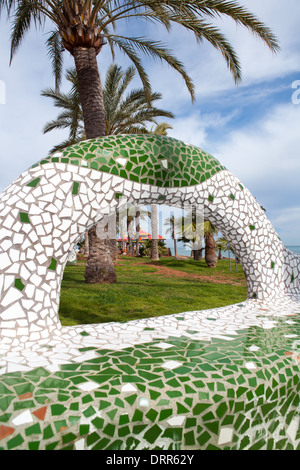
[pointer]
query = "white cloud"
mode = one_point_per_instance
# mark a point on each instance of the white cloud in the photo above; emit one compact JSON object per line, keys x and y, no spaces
{"x":207,"y":67}
{"x":267,"y":151}
{"x":193,"y":128}
{"x":266,"y":158}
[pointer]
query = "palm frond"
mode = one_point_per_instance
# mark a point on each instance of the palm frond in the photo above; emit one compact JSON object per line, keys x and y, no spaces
{"x":127,"y":48}
{"x":154,"y":49}
{"x":55,"y":53}
{"x":61,"y":100}
{"x":25,"y":14}
{"x":242,"y":16}
{"x":7,"y":5}
{"x":126,"y":112}
{"x":56,"y":124}
{"x":64,"y":144}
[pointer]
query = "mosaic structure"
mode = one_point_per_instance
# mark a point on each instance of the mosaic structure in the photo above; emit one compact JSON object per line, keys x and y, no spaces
{"x":226,"y":378}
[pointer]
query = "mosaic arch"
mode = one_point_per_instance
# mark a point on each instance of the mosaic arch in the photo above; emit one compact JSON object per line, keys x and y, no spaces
{"x":45,"y":211}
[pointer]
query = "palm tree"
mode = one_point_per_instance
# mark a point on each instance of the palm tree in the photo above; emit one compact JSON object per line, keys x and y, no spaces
{"x":83,"y":27}
{"x":170,"y":223}
{"x":154,"y":233}
{"x":210,"y":244}
{"x":126,"y":112}
{"x":132,"y":113}
{"x":161,"y":128}
{"x":222,"y":245}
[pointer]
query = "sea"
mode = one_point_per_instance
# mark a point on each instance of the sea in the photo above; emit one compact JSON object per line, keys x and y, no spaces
{"x":183,"y":250}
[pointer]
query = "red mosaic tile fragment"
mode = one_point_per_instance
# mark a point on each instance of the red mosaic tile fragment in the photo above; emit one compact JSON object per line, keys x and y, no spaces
{"x":40,"y":413}
{"x":26,"y":395}
{"x":5,"y":431}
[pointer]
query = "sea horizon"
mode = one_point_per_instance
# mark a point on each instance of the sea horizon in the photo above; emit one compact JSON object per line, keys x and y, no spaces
{"x":186,"y":251}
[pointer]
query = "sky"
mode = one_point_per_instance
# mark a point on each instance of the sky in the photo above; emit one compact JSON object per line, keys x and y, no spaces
{"x":253,"y":129}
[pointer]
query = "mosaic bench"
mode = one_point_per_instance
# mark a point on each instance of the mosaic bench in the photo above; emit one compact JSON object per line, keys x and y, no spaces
{"x":225,"y":378}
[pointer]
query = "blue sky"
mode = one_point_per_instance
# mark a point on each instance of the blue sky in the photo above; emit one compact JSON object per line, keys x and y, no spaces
{"x":253,"y":129}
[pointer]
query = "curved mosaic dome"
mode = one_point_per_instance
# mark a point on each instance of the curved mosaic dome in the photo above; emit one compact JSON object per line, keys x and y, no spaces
{"x":146,"y":159}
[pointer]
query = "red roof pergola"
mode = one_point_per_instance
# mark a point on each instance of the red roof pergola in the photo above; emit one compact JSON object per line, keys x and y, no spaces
{"x":143,"y":236}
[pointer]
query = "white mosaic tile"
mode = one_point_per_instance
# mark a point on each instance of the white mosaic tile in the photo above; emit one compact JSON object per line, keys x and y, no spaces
{"x":225,"y":435}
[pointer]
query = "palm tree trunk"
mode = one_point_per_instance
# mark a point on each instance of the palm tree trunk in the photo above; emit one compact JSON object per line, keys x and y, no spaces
{"x":100,"y":262}
{"x":154,"y":233}
{"x":137,"y":243}
{"x":175,"y":247}
{"x":130,"y":246}
{"x":210,"y":251}
{"x":99,"y":265}
{"x":86,"y":244}
{"x":90,"y":91}
{"x":198,"y":254}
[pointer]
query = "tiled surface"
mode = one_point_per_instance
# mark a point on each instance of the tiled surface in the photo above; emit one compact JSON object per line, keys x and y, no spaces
{"x":45,"y":211}
{"x":217,"y":379}
{"x":154,"y":160}
{"x":225,"y":378}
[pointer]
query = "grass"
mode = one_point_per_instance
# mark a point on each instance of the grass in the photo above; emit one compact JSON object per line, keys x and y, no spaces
{"x":142,"y":291}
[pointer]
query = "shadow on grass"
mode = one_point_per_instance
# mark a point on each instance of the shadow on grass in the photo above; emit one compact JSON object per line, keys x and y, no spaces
{"x":139,"y":293}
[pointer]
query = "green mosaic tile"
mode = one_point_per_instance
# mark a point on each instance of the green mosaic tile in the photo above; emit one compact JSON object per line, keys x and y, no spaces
{"x":34,"y":183}
{"x":24,"y":218}
{"x":34,"y":429}
{"x":152,"y":434}
{"x":75,"y":187}
{"x":52,"y":265}
{"x":156,"y":160}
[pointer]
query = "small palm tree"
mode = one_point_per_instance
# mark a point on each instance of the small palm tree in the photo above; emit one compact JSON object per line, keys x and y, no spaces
{"x":161,"y":128}
{"x":222,"y":245}
{"x":126,"y":112}
{"x":132,"y":113}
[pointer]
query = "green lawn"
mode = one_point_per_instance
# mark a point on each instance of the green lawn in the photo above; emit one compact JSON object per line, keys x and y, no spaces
{"x":142,"y":292}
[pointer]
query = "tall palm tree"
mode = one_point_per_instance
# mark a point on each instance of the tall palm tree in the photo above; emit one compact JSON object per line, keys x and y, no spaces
{"x":83,"y":27}
{"x":211,"y":258}
{"x":154,"y":233}
{"x":126,"y":112}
